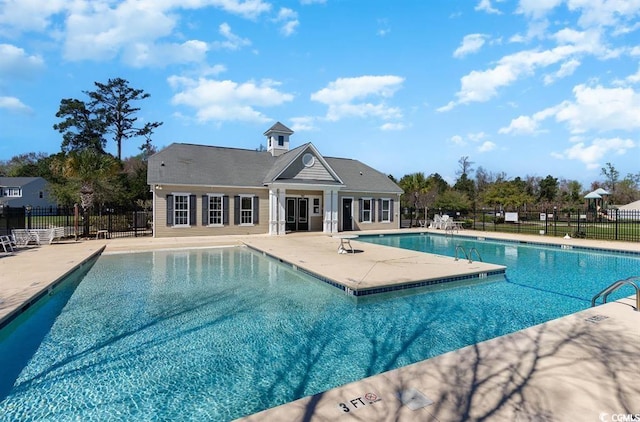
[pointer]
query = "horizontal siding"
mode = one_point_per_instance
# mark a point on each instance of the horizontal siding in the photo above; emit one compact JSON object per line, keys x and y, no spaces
{"x":375,"y":225}
{"x":160,"y":212}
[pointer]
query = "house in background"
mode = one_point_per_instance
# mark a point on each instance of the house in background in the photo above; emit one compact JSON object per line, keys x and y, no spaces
{"x":25,"y":191}
{"x":203,"y":190}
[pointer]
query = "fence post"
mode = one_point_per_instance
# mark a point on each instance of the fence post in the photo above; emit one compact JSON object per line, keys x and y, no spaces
{"x":616,"y":225}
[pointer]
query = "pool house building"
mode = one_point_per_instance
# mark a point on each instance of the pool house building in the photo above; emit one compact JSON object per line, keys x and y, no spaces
{"x":201,"y":190}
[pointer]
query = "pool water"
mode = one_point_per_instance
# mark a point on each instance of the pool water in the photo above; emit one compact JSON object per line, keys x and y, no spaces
{"x":216,"y":334}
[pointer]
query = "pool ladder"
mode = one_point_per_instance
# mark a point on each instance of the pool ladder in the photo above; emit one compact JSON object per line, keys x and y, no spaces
{"x":468,"y":255}
{"x":615,"y":286}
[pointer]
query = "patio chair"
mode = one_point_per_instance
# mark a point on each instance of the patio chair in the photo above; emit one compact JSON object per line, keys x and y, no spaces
{"x":436,"y":223}
{"x":22,"y":237}
{"x":7,"y":244}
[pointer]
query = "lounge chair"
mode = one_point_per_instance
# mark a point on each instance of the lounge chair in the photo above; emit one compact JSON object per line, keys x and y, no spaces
{"x":7,"y":244}
{"x":22,"y":237}
{"x":436,"y":223}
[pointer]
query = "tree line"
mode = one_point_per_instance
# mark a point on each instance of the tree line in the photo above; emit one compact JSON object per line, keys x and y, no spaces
{"x":83,"y":172}
{"x":492,"y":190}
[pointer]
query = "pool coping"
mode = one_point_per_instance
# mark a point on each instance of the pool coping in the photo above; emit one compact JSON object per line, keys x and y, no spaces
{"x":37,"y":290}
{"x":27,"y":273}
{"x":394,"y":269}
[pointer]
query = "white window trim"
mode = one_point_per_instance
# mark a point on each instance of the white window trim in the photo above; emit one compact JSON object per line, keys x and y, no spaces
{"x":388,"y":201}
{"x":175,"y":195}
{"x":371,"y":205}
{"x":221,"y":196}
{"x":13,"y":192}
{"x":240,"y":209}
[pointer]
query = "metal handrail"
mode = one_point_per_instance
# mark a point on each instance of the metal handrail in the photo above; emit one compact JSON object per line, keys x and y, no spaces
{"x":615,"y":286}
{"x":467,"y":255}
{"x":458,"y":247}
{"x":477,"y":253}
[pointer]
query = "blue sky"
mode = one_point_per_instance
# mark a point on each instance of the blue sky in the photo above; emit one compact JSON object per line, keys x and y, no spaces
{"x":525,"y":88}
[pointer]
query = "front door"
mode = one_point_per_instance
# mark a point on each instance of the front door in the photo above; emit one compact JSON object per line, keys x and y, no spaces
{"x":347,"y":214}
{"x":297,"y":214}
{"x":303,"y":214}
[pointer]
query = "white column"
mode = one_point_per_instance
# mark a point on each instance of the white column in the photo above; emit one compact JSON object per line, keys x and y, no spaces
{"x":330,"y":219}
{"x":273,"y":212}
{"x":282,"y":212}
{"x":326,"y":212}
{"x":334,"y":211}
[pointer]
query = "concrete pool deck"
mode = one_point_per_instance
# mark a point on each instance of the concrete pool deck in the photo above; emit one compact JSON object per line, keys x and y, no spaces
{"x":578,"y":367}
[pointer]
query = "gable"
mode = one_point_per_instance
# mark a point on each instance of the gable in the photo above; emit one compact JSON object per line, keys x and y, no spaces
{"x":307,"y":166}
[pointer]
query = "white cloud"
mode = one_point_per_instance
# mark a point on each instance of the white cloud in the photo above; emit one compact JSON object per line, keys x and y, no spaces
{"x":304,"y":123}
{"x":103,"y":30}
{"x":216,"y":100}
{"x":481,"y":86}
{"x":346,"y":97}
{"x":471,"y":43}
{"x":520,"y":125}
{"x":458,"y":140}
{"x":305,"y":2}
{"x":595,"y":109}
{"x":592,"y":154}
{"x":566,"y":69}
{"x":487,"y":146}
{"x":142,"y":55}
{"x":537,"y":9}
{"x":476,"y":137}
{"x":16,"y":63}
{"x":485,"y":6}
{"x":232,"y":41}
{"x":635,"y":78}
{"x":600,"y":109}
{"x":604,"y":13}
{"x":392,"y":126}
{"x":13,"y":104}
{"x":290,"y":21}
{"x":28,"y":15}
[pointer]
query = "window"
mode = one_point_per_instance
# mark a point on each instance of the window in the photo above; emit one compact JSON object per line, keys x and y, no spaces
{"x":13,"y":192}
{"x":246,"y":210}
{"x":385,"y":210}
{"x":216,"y":210}
{"x":41,"y":194}
{"x":280,"y":140}
{"x":308,"y":160}
{"x":316,"y":206}
{"x":181,"y":210}
{"x":366,"y":211}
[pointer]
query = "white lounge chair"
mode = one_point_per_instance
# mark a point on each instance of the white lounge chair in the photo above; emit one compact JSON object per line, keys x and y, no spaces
{"x":7,"y":244}
{"x":22,"y":237}
{"x":436,"y":223}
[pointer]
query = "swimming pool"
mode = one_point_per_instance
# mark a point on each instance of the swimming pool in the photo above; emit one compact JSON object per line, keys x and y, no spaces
{"x":216,"y":334}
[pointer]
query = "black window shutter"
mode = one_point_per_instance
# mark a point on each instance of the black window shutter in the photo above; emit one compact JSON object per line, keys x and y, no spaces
{"x":379,"y":209}
{"x":205,"y":210}
{"x":236,"y":210}
{"x":169,"y":210}
{"x":391,"y":210}
{"x":256,"y":210}
{"x":225,"y":210}
{"x":192,"y":210}
{"x":361,"y":211}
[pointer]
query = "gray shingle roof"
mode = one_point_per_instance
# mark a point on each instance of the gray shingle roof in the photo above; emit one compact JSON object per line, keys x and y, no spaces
{"x":17,"y":181}
{"x":279,"y":127}
{"x":201,"y":165}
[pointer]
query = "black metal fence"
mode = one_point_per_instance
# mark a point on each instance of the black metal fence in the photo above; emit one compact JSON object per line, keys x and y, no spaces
{"x":612,"y":224}
{"x":110,"y":222}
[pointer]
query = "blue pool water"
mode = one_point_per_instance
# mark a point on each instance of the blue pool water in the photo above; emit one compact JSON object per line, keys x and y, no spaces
{"x":216,"y":334}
